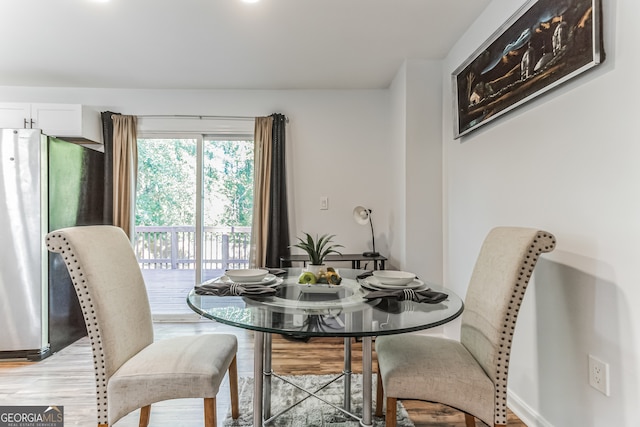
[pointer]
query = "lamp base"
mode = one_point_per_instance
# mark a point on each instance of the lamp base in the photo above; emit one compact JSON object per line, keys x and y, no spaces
{"x":371,"y":254}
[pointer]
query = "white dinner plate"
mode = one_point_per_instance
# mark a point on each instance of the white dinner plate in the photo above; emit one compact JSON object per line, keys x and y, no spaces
{"x":269,"y":280}
{"x":375,"y":284}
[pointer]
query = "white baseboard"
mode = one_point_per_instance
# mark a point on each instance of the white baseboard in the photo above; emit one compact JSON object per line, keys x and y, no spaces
{"x":526,"y":414}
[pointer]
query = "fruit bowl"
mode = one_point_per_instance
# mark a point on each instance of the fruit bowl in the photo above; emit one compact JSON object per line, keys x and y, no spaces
{"x":330,"y":277}
{"x":247,"y":274}
{"x":394,"y":277}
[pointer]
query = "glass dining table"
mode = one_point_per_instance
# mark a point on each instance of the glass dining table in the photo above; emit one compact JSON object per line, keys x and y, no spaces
{"x":322,"y":310}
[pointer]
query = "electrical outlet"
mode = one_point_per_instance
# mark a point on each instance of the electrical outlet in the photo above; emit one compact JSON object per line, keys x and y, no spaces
{"x":599,"y":375}
{"x":324,"y":203}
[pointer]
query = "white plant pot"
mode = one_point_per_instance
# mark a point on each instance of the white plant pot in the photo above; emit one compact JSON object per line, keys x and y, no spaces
{"x":316,"y":269}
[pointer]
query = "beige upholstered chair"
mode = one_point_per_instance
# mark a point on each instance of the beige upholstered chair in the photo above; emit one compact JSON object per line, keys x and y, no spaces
{"x":132,"y":371}
{"x":470,"y":374}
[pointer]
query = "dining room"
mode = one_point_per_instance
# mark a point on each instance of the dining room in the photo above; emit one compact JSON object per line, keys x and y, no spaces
{"x":562,"y":162}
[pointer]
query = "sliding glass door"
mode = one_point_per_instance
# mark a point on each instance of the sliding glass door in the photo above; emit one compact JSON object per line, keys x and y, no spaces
{"x":193,"y":214}
{"x":227,"y":206}
{"x":165,"y":238}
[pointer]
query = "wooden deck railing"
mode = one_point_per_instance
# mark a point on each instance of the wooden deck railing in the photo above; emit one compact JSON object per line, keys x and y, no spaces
{"x":174,"y":247}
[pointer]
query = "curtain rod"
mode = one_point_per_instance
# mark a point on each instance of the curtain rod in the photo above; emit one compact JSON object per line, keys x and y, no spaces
{"x":199,"y":117}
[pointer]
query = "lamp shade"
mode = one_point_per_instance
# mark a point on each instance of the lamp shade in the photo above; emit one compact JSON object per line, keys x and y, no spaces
{"x":362,"y":216}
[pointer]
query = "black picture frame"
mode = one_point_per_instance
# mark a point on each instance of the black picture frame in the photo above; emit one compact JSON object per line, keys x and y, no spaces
{"x":545,"y":43}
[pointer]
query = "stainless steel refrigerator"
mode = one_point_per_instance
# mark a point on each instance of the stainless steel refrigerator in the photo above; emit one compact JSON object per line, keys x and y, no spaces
{"x":45,"y":184}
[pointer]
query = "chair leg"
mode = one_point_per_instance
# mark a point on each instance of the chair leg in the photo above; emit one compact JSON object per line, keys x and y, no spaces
{"x":379,"y":395}
{"x":210,"y":412}
{"x":233,"y":385}
{"x":390,"y":417}
{"x":145,"y":414}
{"x":469,"y":420}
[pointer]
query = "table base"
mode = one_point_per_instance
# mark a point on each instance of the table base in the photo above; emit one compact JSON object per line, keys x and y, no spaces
{"x":263,"y":376}
{"x":312,"y":394}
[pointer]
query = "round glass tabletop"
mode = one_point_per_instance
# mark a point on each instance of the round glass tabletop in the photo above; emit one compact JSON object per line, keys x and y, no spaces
{"x":327,"y":310}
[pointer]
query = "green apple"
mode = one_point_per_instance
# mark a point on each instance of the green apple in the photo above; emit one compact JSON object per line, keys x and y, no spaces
{"x":307,"y":278}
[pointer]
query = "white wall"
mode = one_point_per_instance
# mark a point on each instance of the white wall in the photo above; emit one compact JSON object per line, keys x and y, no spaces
{"x":397,"y":197}
{"x":416,"y":216}
{"x":338,"y":143}
{"x":423,"y":174}
{"x":566,"y":162}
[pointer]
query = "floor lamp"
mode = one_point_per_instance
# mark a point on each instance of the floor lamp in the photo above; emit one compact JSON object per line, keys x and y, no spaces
{"x":362,"y":216}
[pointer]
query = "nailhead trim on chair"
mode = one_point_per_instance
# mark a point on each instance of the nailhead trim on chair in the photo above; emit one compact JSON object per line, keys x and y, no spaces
{"x":544,"y":242}
{"x":59,"y":244}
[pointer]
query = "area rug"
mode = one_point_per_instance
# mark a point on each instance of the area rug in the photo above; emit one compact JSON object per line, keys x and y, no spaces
{"x":312,"y":412}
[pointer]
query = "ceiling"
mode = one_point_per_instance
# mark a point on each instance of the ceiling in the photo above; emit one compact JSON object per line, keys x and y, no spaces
{"x":224,"y":44}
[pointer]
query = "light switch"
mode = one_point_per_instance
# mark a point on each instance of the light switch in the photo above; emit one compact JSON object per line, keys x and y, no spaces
{"x":324,"y":203}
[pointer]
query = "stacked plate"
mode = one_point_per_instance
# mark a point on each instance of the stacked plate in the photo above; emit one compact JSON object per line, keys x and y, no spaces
{"x":246,"y":275}
{"x":248,"y":279}
{"x":394,"y":277}
{"x":386,"y":279}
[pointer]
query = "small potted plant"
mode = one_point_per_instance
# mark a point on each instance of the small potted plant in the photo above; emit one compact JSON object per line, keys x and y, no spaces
{"x":317,"y":249}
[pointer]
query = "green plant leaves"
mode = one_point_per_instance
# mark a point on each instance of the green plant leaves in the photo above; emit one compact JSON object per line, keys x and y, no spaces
{"x":317,"y":248}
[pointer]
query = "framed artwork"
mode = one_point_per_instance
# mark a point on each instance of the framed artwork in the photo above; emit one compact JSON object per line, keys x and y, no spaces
{"x":545,"y":43}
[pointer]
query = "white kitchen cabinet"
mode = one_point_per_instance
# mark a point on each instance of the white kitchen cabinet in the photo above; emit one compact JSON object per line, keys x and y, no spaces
{"x":15,"y":116}
{"x":70,"y":122}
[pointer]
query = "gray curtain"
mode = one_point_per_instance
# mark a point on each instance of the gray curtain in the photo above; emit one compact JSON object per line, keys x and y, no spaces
{"x":278,"y":234}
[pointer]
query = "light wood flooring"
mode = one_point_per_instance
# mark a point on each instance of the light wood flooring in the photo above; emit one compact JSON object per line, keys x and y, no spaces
{"x":66,"y":378}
